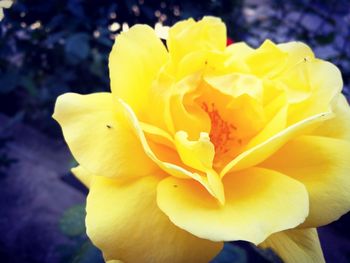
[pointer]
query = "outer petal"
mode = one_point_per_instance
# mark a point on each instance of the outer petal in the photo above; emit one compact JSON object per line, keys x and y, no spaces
{"x":296,"y":246}
{"x":83,"y":175}
{"x":294,"y":79}
{"x":123,"y":220}
{"x":322,"y":165}
{"x":99,"y":137}
{"x":258,"y":203}
{"x":297,"y":52}
{"x":324,"y":81}
{"x":338,"y":127}
{"x":134,"y":62}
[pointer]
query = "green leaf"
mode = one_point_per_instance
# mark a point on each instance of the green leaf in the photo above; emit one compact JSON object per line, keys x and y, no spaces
{"x":72,"y":222}
{"x":88,"y":253}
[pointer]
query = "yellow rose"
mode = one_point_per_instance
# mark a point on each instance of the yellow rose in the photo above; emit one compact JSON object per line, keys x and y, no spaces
{"x":199,"y":143}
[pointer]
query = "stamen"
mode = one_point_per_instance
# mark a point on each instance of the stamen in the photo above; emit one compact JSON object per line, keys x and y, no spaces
{"x":221,"y":131}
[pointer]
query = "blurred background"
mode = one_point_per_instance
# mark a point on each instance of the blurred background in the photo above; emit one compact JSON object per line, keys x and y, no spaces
{"x":49,"y":47}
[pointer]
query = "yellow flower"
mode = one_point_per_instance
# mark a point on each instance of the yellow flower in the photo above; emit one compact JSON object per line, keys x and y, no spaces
{"x":199,"y":143}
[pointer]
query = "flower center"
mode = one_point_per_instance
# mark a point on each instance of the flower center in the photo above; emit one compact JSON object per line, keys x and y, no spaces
{"x":221,"y":131}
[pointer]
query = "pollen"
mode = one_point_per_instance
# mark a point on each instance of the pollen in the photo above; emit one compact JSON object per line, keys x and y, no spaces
{"x":221,"y":131}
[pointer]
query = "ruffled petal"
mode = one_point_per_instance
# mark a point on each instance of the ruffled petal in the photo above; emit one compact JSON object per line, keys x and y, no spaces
{"x":211,"y":181}
{"x":265,"y":149}
{"x":189,"y":36}
{"x":235,"y":85}
{"x":258,"y":203}
{"x":237,"y":54}
{"x":185,"y":113}
{"x":123,"y":220}
{"x":324,"y":83}
{"x":99,"y":137}
{"x":198,"y":154}
{"x":268,"y":60}
{"x":134,"y":63}
{"x":296,"y":246}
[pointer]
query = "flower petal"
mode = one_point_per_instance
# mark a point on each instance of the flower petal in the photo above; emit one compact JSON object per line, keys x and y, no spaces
{"x":325,"y":83}
{"x":189,"y":36}
{"x":294,"y":77}
{"x":265,"y":149}
{"x":82,"y":175}
{"x":99,"y":136}
{"x":322,"y":165}
{"x":235,"y":85}
{"x":169,"y":167}
{"x":267,"y":60}
{"x":198,"y":154}
{"x":258,"y":203}
{"x":338,"y":127}
{"x":134,"y":62}
{"x":297,"y":51}
{"x":237,"y":55}
{"x":275,"y":125}
{"x":123,"y":220}
{"x":296,"y":246}
{"x":185,"y":114}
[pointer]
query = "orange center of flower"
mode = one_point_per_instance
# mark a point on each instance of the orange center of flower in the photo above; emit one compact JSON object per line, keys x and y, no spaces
{"x":221,"y":131}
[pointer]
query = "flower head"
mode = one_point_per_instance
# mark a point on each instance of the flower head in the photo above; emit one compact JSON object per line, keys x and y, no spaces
{"x":200,"y":143}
